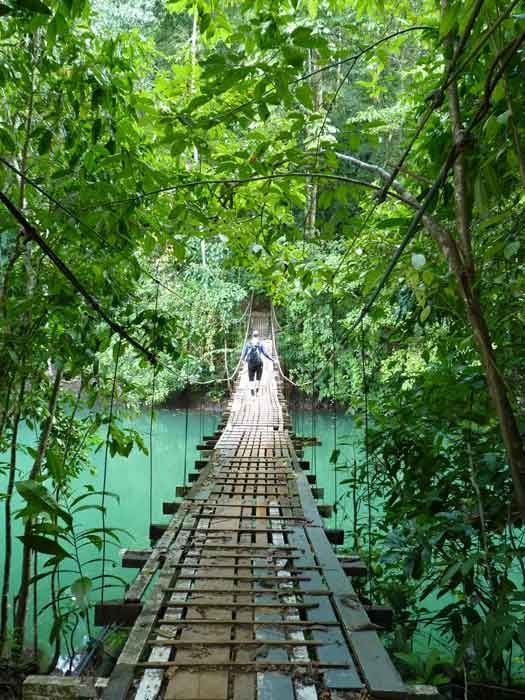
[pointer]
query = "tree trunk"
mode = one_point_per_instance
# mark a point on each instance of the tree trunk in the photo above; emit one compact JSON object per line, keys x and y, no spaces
{"x":466,"y":274}
{"x":510,"y":433}
{"x":23,"y":591}
{"x":5,"y":408}
{"x":8,"y":543}
{"x":498,"y":393}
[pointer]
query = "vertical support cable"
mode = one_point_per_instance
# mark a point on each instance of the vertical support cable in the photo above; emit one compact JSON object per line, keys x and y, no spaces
{"x":367,"y":460}
{"x":226,"y":369}
{"x":152,"y":410}
{"x":186,"y":444}
{"x":106,"y":455}
{"x":313,"y":417}
{"x":35,"y":605}
{"x":334,"y":418}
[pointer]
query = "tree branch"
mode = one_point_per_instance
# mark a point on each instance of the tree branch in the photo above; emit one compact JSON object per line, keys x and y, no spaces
{"x":438,"y":232}
{"x":33,"y":235}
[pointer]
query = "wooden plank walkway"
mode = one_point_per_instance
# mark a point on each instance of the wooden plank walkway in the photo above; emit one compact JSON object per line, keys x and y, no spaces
{"x":243,"y":598}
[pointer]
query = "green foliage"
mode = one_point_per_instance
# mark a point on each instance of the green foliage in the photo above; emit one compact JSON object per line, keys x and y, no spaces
{"x":209,"y":146}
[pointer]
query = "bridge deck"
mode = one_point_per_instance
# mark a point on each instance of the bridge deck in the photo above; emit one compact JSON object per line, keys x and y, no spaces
{"x":247,"y":599}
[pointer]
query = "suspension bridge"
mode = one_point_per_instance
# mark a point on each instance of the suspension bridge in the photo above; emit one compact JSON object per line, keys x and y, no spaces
{"x":241,"y":596}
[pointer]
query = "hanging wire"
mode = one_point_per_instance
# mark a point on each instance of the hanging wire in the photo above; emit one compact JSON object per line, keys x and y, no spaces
{"x":35,"y":605}
{"x":201,"y":419}
{"x":367,"y":460}
{"x":186,"y":444}
{"x":106,"y":455}
{"x":230,"y":377}
{"x":152,"y":408}
{"x":275,"y":324}
{"x":313,"y":416}
{"x":334,"y":418}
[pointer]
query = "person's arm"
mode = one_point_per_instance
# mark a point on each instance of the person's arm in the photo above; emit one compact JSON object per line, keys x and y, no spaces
{"x":244,"y":353}
{"x":263,"y":350}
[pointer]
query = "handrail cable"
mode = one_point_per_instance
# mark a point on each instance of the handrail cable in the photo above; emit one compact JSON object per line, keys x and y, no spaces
{"x":229,"y":378}
{"x":273,"y":318}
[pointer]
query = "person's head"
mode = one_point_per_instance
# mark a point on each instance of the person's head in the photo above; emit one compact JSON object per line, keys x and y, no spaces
{"x":255,"y":334}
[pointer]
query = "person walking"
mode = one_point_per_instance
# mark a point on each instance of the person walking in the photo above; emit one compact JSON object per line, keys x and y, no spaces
{"x":252,"y":355}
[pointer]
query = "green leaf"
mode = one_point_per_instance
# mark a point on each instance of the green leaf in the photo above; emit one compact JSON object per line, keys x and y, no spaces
{"x":80,"y":590}
{"x":204,"y":21}
{"x":427,"y":276}
{"x":504,"y":117}
{"x":44,"y":143}
{"x":55,"y":463}
{"x":178,"y":145}
{"x":334,"y":456}
{"x":304,"y":37}
{"x":90,"y":491}
{"x":96,"y":129}
{"x":263,"y":110}
{"x":38,"y":497}
{"x":44,"y":545}
{"x":34,"y":6}
{"x":7,"y":140}
{"x":294,"y":57}
{"x":449,"y":19}
{"x":424,"y":314}
{"x":511,"y":249}
{"x":304,"y":94}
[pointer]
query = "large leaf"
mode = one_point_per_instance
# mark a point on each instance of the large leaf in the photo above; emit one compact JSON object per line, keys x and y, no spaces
{"x":34,"y":6}
{"x":80,"y":590}
{"x":38,"y":498}
{"x":44,"y":545}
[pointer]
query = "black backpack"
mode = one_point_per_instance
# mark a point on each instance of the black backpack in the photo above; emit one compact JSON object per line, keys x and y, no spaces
{"x":254,"y":355}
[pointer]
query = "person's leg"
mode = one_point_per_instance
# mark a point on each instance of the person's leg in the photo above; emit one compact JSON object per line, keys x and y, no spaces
{"x":251,"y":377}
{"x":258,"y":375}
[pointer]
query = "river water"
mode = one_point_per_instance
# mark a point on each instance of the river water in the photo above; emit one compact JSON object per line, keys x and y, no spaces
{"x":176,"y":434}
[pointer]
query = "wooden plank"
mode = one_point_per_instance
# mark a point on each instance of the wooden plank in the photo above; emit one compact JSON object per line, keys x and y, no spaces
{"x":233,"y":643}
{"x":252,"y":665}
{"x":135,"y":558}
{"x":305,"y":689}
{"x":338,"y":650}
{"x":252,"y":623}
{"x":271,"y":684}
{"x":124,"y":671}
{"x":152,"y":679}
{"x":380,"y":674}
{"x":209,"y":684}
{"x":143,"y":580}
{"x":244,"y":684}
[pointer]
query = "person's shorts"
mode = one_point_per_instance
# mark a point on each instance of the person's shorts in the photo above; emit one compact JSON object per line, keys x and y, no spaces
{"x":255,"y":372}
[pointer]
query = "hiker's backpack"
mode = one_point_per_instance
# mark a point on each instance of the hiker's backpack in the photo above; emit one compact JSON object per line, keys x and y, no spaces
{"x":254,"y":355}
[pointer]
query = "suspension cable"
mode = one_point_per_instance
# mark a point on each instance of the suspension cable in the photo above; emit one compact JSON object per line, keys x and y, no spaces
{"x":334,"y":416}
{"x":231,"y":377}
{"x":314,"y":416}
{"x":273,"y":322}
{"x":367,"y":459}
{"x":186,"y":444}
{"x":152,"y":410}
{"x":106,"y":454}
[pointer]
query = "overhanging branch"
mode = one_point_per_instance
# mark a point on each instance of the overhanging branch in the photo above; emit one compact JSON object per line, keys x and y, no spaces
{"x":32,"y":234}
